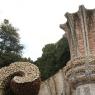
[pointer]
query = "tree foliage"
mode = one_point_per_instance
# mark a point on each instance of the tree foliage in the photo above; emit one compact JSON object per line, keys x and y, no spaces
{"x":54,"y":57}
{"x":10,"y":47}
{"x":24,"y":59}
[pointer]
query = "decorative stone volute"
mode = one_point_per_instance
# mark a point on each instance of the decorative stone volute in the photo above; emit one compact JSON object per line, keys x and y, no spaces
{"x":80,"y":31}
{"x":20,"y":78}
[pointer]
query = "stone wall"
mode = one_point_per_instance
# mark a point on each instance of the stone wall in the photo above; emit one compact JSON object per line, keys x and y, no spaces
{"x":55,"y":85}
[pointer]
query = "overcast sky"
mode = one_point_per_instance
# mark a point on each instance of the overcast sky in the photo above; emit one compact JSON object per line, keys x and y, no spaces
{"x":38,"y":20}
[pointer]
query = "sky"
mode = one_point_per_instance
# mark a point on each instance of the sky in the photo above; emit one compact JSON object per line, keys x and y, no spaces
{"x":38,"y":21}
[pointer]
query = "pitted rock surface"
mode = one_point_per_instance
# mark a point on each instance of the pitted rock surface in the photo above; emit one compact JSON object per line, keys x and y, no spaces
{"x":20,"y":76}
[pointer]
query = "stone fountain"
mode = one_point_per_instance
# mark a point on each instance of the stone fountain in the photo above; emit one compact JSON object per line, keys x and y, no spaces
{"x":80,"y":70}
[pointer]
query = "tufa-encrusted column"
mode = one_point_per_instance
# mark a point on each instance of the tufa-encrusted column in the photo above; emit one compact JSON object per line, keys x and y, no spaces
{"x":80,"y":70}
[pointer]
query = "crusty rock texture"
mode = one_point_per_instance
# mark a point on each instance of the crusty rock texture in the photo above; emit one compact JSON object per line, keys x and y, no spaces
{"x":22,"y":78}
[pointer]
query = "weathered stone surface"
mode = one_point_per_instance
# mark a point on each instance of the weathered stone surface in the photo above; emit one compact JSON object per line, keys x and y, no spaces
{"x":80,"y":31}
{"x":58,"y":79}
{"x":87,"y":89}
{"x":54,"y":85}
{"x":21,"y":78}
{"x":44,"y":89}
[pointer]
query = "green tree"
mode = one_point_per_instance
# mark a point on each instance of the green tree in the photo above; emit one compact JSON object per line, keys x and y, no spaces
{"x":54,"y":57}
{"x":10,"y":47}
{"x":24,"y":59}
{"x":47,"y":61}
{"x":62,"y":52}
